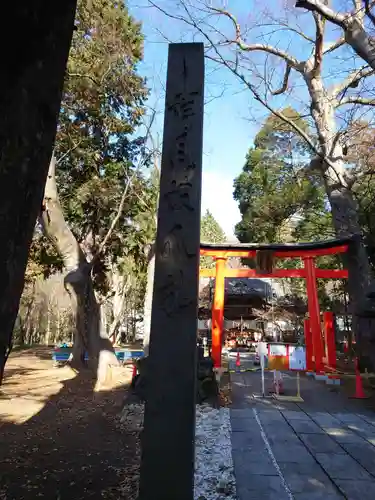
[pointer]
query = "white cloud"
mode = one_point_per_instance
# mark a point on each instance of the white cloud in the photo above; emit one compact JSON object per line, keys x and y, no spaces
{"x":217,"y":197}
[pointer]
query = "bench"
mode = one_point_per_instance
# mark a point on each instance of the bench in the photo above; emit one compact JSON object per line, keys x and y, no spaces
{"x":61,"y":355}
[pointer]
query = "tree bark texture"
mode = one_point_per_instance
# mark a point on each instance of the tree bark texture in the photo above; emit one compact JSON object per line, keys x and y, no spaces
{"x":89,"y":334}
{"x":355,"y":31}
{"x":344,"y":213}
{"x":120,"y":285}
{"x":147,"y":308}
{"x":33,"y":57}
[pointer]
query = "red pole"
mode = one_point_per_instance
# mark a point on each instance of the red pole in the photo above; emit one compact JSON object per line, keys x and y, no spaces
{"x":218,"y":311}
{"x":330,"y":339}
{"x":309,"y":346}
{"x":314,"y":313}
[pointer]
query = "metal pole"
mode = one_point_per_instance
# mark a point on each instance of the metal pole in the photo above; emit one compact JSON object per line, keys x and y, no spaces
{"x":298,"y":386}
{"x":262,"y":370}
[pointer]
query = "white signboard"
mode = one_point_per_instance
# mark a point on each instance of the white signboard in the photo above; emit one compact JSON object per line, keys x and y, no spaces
{"x":262,"y":349}
{"x":277,"y":350}
{"x":297,"y":358}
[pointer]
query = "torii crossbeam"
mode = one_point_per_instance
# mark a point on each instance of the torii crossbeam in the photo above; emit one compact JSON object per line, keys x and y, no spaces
{"x":307,"y":252}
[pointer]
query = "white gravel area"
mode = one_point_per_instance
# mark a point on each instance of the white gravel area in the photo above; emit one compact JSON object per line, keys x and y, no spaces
{"x":214,"y":474}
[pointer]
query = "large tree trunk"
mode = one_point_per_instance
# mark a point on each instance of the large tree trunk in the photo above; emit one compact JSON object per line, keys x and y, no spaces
{"x":57,"y":335}
{"x":147,"y":308}
{"x":89,"y":336}
{"x":48,"y":329}
{"x":33,"y":64}
{"x":345,"y":217}
{"x":118,"y":304}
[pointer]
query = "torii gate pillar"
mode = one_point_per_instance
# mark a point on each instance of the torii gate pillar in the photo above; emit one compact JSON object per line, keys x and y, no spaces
{"x":218,"y":312}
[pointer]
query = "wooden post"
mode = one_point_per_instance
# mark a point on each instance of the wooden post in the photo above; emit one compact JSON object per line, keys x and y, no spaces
{"x":329,"y":331}
{"x":314,"y":313}
{"x":167,"y":463}
{"x":218,"y":312}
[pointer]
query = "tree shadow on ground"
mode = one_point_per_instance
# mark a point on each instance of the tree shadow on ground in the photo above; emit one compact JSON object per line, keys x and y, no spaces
{"x":73,"y":448}
{"x":43,"y":352}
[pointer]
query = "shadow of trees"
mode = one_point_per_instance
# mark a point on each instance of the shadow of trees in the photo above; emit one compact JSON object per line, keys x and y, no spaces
{"x":74,"y":448}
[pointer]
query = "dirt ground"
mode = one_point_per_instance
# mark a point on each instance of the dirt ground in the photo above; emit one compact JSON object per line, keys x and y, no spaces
{"x":59,"y":439}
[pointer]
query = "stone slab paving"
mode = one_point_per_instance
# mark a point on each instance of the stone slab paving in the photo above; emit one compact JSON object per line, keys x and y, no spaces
{"x":357,"y":490}
{"x":308,"y":451}
{"x":321,"y":443}
{"x":305,"y":427}
{"x":341,"y":466}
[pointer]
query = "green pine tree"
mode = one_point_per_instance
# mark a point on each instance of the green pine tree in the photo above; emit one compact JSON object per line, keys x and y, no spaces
{"x":100,"y":212}
{"x":274,"y":188}
{"x":279,"y":199}
{"x":211,"y":232}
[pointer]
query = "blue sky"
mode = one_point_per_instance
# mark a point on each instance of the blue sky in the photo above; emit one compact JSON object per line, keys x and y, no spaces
{"x":227,"y":131}
{"x":232,"y":116}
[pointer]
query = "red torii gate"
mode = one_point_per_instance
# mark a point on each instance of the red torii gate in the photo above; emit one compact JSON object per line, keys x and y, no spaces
{"x":305,"y":251}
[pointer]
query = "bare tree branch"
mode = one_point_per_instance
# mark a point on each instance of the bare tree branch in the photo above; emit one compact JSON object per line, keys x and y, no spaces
{"x":352,"y":24}
{"x":80,"y":75}
{"x":292,"y":61}
{"x":359,"y":11}
{"x":283,"y":26}
{"x":335,"y":45}
{"x":318,"y":52}
{"x":284,"y":86}
{"x":241,"y":77}
{"x":324,"y":10}
{"x":355,"y":100}
{"x":352,"y":80}
{"x":297,"y":31}
{"x":68,"y":152}
{"x":128,"y":184}
{"x":114,"y":222}
{"x":323,"y":156}
{"x":328,"y":150}
{"x":369,"y":14}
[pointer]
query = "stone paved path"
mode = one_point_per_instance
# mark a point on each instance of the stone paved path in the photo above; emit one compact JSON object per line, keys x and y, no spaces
{"x":322,"y":449}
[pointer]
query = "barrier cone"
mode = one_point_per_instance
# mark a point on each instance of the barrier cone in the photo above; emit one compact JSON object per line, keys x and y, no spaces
{"x":238,"y":360}
{"x":359,"y":392}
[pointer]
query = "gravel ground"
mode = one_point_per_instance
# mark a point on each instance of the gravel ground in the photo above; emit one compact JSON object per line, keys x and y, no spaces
{"x":61,"y":439}
{"x":214,"y":476}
